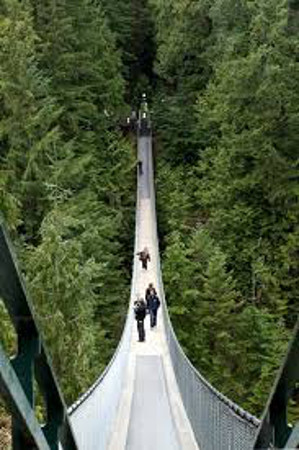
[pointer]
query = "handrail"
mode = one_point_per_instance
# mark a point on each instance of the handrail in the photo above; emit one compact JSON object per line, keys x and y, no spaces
{"x":273,"y":430}
{"x":143,"y":128}
{"x":232,"y":405}
{"x":217,"y":422}
{"x":16,"y":375}
{"x":99,"y":380}
{"x":109,"y":381}
{"x":239,"y":425}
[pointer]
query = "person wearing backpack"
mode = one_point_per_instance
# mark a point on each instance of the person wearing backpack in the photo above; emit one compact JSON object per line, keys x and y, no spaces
{"x":140,"y":313}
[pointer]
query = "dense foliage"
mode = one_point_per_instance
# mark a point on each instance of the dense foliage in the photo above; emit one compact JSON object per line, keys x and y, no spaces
{"x":227,"y":117}
{"x":67,"y":178}
{"x":133,"y":25}
{"x":223,"y":77}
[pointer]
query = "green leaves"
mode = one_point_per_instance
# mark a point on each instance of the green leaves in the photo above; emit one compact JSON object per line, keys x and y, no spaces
{"x":67,"y":184}
{"x":28,"y":118}
{"x":63,"y":283}
{"x":226,"y":111}
{"x":133,"y":26}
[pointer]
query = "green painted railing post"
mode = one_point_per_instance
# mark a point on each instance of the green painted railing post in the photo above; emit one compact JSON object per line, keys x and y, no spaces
{"x":28,"y":344}
{"x":23,"y":362}
{"x":54,"y":406}
{"x":31,"y":361}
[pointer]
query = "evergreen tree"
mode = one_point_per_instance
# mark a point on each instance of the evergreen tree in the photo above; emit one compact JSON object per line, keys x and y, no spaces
{"x":251,"y":190}
{"x":226,"y":85}
{"x":228,"y":107}
{"x":133,"y":25}
{"x":67,"y":185}
{"x":183,"y":29}
{"x":63,"y":284}
{"x":28,"y":121}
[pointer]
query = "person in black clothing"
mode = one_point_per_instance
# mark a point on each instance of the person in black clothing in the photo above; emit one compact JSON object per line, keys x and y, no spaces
{"x":140,"y":167}
{"x":140,"y":313}
{"x":149,"y":291}
{"x":153,"y":304}
{"x":144,"y":257}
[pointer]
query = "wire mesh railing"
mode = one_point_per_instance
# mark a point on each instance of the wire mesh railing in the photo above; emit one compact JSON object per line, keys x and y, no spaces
{"x":94,"y":413}
{"x":217,"y":422}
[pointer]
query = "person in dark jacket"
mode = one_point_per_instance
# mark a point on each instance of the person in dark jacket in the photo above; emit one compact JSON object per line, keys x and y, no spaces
{"x":153,"y":304}
{"x":140,"y":313}
{"x":144,"y":257}
{"x":139,"y":163}
{"x":150,"y":290}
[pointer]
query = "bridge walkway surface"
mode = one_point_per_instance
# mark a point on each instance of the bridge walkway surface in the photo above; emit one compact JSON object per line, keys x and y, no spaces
{"x":151,"y":415}
{"x":150,"y":397}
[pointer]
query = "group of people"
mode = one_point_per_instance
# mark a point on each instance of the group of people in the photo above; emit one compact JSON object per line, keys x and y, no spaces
{"x":151,"y":305}
{"x":133,"y":120}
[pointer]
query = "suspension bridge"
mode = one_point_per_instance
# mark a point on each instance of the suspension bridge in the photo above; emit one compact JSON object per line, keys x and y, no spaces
{"x":150,"y":397}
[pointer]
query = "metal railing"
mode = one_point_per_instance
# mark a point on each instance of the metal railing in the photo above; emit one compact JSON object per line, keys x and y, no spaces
{"x":217,"y":422}
{"x":94,"y":413}
{"x":31,"y":361}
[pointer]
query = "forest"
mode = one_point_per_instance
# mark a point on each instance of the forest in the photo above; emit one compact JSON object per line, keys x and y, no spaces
{"x":222,"y":78}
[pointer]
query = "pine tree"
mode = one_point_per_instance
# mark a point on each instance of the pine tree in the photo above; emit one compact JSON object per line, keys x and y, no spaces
{"x":183,"y":29}
{"x":227,"y":106}
{"x":67,"y":185}
{"x":251,"y":193}
{"x":28,"y":121}
{"x":133,"y":25}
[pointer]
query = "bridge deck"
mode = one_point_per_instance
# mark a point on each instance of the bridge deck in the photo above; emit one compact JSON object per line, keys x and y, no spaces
{"x":151,"y":415}
{"x":151,"y":425}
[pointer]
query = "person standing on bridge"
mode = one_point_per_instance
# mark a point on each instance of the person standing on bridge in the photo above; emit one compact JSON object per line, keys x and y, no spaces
{"x":149,"y":291}
{"x":153,"y":304}
{"x":140,"y":167}
{"x":144,"y":257}
{"x":144,"y":106}
{"x":140,"y":313}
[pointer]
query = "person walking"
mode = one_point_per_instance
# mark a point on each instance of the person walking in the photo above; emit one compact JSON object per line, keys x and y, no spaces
{"x":140,"y":313}
{"x":144,"y":257}
{"x":153,"y":305}
{"x":150,"y":290}
{"x":139,"y":163}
